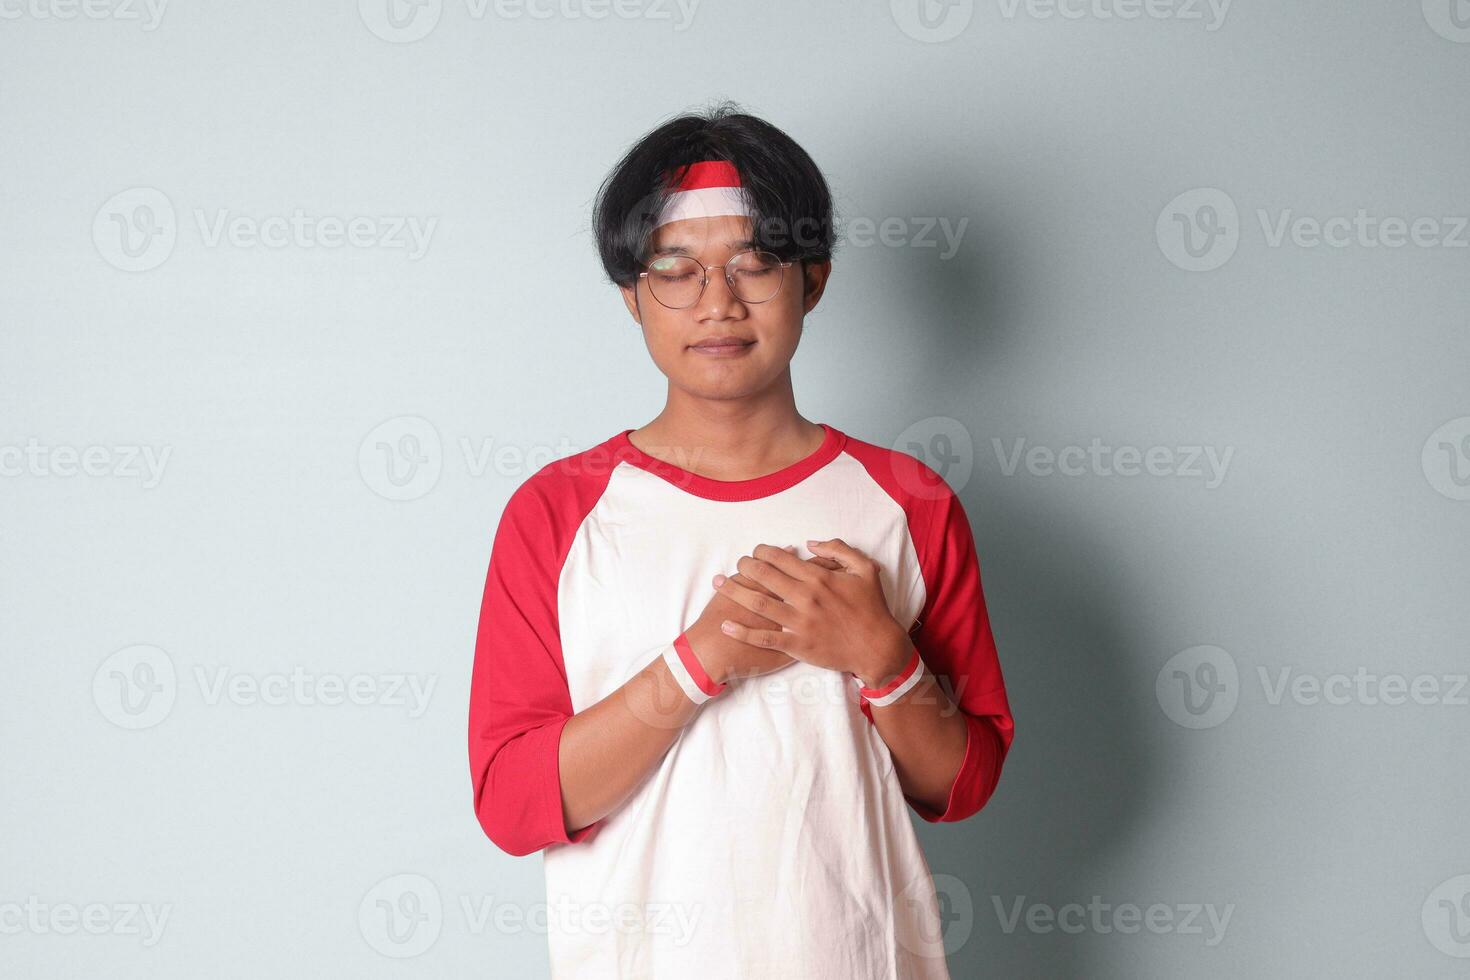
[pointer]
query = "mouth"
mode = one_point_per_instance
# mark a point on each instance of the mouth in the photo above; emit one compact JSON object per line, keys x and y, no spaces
{"x":722,"y":346}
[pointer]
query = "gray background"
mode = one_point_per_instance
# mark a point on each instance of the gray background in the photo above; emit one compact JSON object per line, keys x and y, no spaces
{"x":343,"y":425}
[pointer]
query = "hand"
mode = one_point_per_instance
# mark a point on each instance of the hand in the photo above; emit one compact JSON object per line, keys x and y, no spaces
{"x":833,"y":618}
{"x":723,"y":657}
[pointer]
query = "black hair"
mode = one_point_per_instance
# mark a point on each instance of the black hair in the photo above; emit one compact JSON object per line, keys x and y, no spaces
{"x":789,"y":196}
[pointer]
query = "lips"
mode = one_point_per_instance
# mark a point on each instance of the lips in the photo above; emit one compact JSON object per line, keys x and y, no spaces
{"x":723,"y":342}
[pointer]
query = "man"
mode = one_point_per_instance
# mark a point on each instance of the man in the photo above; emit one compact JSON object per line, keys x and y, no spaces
{"x":714,"y":739}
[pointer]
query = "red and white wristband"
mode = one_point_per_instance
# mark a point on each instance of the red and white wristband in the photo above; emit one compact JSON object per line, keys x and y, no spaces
{"x":912,"y":673}
{"x":688,"y":671}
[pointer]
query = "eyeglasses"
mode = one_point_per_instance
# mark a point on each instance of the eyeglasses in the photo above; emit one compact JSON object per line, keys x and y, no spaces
{"x":677,"y":281}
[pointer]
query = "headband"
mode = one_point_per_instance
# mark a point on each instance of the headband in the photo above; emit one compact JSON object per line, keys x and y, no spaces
{"x":706,"y":189}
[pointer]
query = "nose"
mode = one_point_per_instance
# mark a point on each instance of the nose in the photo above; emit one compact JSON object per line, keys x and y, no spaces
{"x":717,"y":300}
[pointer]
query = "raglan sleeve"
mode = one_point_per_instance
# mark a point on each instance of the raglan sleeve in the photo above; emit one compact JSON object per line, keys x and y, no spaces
{"x":519,"y":700}
{"x":954,"y":638}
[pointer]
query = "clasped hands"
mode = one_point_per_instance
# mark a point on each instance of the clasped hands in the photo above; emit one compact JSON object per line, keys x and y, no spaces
{"x":828,"y":611}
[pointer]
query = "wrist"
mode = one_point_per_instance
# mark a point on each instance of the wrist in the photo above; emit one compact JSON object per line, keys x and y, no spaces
{"x":896,"y":687}
{"x":705,"y":649}
{"x":689,"y":672}
{"x":888,"y":659}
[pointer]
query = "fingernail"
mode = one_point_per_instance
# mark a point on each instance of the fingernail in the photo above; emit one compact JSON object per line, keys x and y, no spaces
{"x":789,"y":547}
{"x":727,"y":626}
{"x":719,"y":581}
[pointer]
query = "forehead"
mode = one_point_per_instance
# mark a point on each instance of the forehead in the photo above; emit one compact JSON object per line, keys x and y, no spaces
{"x":716,"y":236}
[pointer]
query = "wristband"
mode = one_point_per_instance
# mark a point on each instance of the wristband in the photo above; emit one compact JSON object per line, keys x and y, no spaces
{"x":688,"y":671}
{"x":907,"y":678}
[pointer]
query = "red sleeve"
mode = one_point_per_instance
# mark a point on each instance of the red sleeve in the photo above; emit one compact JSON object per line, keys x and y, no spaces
{"x":954,"y":638}
{"x":519,"y":699}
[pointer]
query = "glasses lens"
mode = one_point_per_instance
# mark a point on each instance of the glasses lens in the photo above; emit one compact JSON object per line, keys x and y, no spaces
{"x":755,"y":276}
{"x":675,"y":280}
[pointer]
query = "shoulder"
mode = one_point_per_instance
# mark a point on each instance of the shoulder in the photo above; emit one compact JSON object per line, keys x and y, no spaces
{"x":563,"y":491}
{"x":913,"y":484}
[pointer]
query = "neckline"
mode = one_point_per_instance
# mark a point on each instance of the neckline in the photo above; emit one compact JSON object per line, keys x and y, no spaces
{"x":749,"y":489}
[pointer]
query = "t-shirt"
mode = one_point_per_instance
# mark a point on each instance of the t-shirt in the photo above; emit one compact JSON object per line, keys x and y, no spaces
{"x":773,"y":839}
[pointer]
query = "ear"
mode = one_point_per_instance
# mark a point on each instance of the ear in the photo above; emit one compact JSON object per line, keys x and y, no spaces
{"x":630,"y":300}
{"x":815,"y":275}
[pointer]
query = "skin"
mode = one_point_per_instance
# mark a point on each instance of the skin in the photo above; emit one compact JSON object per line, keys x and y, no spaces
{"x":735,"y":418}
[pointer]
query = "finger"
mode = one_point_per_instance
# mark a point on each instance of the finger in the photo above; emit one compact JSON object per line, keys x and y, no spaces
{"x":787,"y":563}
{"x":765,"y":639}
{"x":744,"y":615}
{"x":739,"y":578}
{"x":771,"y":607}
{"x":826,"y":563}
{"x":768,"y":575}
{"x":839,"y":550}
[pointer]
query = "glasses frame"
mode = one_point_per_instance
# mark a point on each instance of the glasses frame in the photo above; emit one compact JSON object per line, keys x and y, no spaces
{"x":704,"y":278}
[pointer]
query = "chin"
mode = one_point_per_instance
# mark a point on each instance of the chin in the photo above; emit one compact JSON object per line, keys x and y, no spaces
{"x":731,"y":386}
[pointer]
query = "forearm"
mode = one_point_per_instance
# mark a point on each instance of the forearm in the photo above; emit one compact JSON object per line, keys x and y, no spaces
{"x":925,"y":732}
{"x":608,"y":749}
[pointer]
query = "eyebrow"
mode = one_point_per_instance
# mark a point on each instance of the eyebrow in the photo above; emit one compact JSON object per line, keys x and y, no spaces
{"x":685,"y":250}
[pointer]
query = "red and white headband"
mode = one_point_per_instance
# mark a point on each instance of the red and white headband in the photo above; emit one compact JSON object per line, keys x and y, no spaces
{"x":706,"y":189}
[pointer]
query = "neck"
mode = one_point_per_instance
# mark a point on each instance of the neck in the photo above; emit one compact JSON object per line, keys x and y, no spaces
{"x":731,"y":439}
